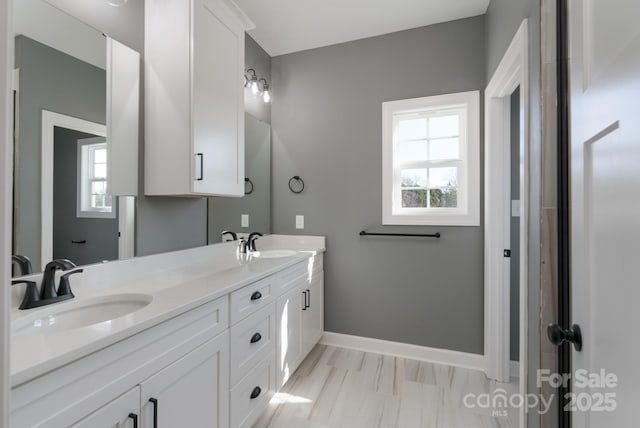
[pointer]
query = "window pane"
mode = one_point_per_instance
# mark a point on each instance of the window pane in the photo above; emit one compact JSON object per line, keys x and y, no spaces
{"x":413,"y":151}
{"x":444,"y":126}
{"x":413,"y":129}
{"x":444,"y":149}
{"x":414,"y":198}
{"x":100,"y":170}
{"x":100,"y":156}
{"x":414,"y":178}
{"x":443,"y":187}
{"x":98,"y":187}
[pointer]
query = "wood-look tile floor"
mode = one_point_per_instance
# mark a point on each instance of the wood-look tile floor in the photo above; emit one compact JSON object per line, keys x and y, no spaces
{"x":343,"y":388}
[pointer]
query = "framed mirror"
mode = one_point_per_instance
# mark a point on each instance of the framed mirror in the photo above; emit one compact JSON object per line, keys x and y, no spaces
{"x":76,"y":103}
{"x":252,"y":213}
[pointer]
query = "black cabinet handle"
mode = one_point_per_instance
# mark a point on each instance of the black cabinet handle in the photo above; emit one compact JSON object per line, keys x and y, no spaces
{"x":135,"y":419}
{"x":256,"y":338}
{"x":256,"y":392}
{"x":201,"y":155}
{"x":154,"y":401}
{"x":256,"y":296}
{"x":83,"y":241}
{"x":304,"y":296}
{"x":308,"y":298}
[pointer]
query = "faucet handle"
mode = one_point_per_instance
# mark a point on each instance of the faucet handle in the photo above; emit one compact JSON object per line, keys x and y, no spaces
{"x":65,"y":287}
{"x":30,"y":295}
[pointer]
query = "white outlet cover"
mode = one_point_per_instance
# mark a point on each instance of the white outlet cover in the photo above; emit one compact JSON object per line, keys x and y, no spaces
{"x":299,"y":222}
{"x":244,"y":220}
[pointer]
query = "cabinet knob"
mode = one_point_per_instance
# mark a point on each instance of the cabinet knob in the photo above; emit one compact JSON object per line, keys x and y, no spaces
{"x":256,"y":296}
{"x":256,"y":392}
{"x":256,"y":338}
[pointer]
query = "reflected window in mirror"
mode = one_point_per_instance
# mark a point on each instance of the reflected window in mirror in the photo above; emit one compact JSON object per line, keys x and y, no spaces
{"x":93,"y":198}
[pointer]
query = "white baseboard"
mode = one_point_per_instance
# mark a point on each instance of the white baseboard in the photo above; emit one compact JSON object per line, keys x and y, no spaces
{"x":405,"y":350}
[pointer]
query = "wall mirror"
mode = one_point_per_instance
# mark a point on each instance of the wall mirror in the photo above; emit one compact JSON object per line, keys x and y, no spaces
{"x":252,"y":213}
{"x":76,"y":102}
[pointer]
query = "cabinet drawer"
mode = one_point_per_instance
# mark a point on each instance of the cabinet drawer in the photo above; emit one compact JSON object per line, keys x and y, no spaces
{"x":260,"y":384}
{"x":252,"y":340}
{"x":251,"y":298}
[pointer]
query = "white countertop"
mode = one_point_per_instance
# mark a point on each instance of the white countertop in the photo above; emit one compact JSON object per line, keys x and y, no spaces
{"x":177,"y":282}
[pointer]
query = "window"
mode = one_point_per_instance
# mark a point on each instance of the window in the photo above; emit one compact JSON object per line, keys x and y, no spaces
{"x":93,"y":197}
{"x":431,"y":160}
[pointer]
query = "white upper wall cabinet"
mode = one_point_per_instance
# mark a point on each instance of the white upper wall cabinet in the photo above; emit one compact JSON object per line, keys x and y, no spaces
{"x":194,"y":89}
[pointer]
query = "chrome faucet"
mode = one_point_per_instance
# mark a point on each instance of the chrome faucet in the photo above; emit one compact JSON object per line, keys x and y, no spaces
{"x":251,"y":242}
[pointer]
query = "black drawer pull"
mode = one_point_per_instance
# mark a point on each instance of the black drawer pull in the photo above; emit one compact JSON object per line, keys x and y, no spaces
{"x":82,"y":241}
{"x":135,"y":419}
{"x":256,"y":392}
{"x":256,"y":338}
{"x":256,"y":296}
{"x":154,"y":401}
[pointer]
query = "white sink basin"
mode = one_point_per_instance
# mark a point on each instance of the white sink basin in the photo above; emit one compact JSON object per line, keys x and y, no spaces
{"x":94,"y":311}
{"x":273,"y":254}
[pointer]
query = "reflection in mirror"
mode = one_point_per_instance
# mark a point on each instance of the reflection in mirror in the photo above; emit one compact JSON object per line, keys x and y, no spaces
{"x":252,"y":213}
{"x":75,"y":141}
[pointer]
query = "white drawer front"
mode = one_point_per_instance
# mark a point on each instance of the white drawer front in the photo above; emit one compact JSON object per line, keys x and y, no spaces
{"x":244,"y":409}
{"x":252,"y":340}
{"x":251,"y":298}
{"x":304,"y":271}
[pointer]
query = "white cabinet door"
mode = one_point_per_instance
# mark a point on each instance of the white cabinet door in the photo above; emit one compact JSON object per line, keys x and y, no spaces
{"x":218,"y":103}
{"x":194,"y":92}
{"x":192,"y":392}
{"x":123,"y":412}
{"x":313,"y":316}
{"x":289,"y":308}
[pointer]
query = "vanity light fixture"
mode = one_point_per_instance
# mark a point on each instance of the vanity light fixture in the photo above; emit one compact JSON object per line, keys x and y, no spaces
{"x":266,"y":95}
{"x":252,"y":82}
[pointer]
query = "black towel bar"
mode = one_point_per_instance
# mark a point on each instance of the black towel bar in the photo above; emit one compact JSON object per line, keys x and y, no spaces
{"x":412,"y":235}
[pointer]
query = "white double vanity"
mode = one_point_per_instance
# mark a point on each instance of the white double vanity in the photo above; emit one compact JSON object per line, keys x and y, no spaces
{"x":193,"y":338}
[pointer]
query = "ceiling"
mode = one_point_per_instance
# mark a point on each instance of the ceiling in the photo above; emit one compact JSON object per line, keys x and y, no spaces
{"x":285,"y":26}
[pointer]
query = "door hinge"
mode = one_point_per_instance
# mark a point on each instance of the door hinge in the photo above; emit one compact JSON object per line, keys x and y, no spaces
{"x":507,"y":253}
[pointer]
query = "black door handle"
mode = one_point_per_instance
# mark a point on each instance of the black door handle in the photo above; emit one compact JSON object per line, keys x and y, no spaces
{"x":135,"y":419}
{"x":256,"y":338}
{"x":256,"y":392}
{"x":154,"y":402}
{"x":256,"y":296}
{"x":304,"y":296}
{"x":201,"y":155}
{"x":557,"y":335}
{"x":82,"y":241}
{"x":308,"y":298}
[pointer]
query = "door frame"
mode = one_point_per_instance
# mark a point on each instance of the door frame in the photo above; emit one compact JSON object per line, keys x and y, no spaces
{"x":126,"y":205}
{"x":512,"y":73}
{"x":6,"y":194}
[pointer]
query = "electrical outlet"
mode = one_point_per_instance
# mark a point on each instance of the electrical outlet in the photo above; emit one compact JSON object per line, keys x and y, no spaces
{"x":299,"y":222}
{"x":244,"y":220}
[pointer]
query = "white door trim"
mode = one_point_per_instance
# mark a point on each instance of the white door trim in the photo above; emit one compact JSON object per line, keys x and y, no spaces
{"x":512,"y":72}
{"x":6,"y":190}
{"x":126,"y":223}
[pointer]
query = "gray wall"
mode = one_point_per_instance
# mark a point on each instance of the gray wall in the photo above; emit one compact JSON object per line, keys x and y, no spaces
{"x":49,"y":80}
{"x":327,"y":128}
{"x":101,"y":234}
{"x":515,"y":227}
{"x":224,"y":213}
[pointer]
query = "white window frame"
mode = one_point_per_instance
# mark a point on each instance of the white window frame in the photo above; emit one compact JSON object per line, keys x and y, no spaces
{"x":468,"y":211}
{"x":84,"y":208}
